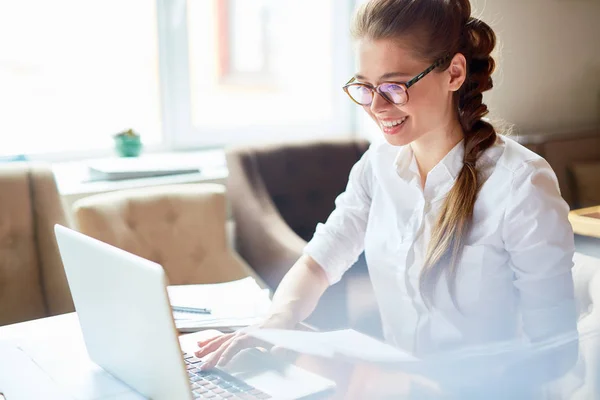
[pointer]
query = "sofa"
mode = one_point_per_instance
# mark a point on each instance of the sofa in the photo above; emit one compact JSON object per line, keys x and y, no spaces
{"x":182,"y":227}
{"x":32,"y":279}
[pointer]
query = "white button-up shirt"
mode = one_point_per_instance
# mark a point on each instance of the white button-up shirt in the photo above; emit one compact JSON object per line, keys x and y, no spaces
{"x":514,"y":275}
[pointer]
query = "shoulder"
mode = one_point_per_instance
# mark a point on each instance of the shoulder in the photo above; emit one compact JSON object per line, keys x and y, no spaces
{"x":517,"y":159}
{"x":532,"y":179}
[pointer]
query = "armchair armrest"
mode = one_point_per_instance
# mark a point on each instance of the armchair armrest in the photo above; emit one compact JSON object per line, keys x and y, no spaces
{"x":263,"y":238}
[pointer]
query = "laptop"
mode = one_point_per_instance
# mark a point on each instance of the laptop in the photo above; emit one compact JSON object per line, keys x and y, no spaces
{"x":128,"y":328}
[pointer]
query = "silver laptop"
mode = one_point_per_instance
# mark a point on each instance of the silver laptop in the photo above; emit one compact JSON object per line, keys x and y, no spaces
{"x":128,"y":328}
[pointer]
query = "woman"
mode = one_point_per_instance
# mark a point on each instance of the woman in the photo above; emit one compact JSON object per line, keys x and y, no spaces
{"x":465,"y":232}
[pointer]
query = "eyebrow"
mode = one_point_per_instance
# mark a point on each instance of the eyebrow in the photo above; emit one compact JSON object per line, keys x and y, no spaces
{"x":384,"y":76}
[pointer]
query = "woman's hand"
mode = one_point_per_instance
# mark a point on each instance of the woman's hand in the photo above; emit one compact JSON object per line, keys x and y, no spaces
{"x":295,"y":299}
{"x":220,"y":350}
{"x":372,"y":382}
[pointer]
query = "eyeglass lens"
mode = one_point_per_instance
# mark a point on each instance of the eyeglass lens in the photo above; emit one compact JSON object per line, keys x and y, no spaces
{"x":393,"y":92}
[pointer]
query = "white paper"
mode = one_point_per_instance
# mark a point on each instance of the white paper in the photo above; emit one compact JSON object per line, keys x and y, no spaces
{"x":239,"y":303}
{"x":346,"y":343}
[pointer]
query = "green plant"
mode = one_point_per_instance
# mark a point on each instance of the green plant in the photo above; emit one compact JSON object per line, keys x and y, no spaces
{"x":128,"y":143}
{"x":129,"y":132}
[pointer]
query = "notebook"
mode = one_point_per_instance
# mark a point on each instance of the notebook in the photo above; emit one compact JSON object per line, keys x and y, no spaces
{"x":231,"y":305}
{"x":152,"y":165}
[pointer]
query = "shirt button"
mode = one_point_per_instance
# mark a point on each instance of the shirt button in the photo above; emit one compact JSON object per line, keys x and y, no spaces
{"x":427,"y":207}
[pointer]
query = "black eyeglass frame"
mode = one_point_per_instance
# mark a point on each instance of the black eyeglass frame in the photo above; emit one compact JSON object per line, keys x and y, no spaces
{"x":405,"y":85}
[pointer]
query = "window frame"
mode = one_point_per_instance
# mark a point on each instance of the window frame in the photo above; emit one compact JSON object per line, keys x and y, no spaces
{"x":178,"y":132}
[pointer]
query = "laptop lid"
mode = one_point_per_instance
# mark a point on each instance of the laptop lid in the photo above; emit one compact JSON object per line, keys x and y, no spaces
{"x":125,"y":315}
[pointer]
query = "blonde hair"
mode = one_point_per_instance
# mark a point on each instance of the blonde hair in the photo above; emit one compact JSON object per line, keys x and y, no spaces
{"x":439,"y":28}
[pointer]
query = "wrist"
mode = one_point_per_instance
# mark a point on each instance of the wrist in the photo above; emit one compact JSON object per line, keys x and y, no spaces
{"x":280,"y":320}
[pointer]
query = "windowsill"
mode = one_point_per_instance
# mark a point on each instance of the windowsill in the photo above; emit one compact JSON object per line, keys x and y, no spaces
{"x":72,"y":177}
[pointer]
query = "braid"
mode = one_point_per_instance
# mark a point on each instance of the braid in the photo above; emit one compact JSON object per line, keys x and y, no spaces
{"x":476,"y":44}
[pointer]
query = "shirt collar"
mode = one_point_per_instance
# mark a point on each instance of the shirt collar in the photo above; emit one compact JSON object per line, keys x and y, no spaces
{"x":440,"y":178}
{"x":452,"y":162}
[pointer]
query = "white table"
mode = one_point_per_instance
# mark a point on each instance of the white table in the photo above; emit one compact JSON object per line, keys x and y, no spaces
{"x":47,"y":359}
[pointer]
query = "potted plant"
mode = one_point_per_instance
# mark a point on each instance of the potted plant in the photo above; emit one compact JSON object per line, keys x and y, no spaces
{"x":128,"y":143}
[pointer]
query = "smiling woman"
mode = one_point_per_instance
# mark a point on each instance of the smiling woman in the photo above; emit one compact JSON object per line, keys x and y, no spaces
{"x":465,"y":233}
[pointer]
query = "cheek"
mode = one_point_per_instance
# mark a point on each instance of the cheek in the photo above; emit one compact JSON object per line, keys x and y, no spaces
{"x":427,"y":101}
{"x":368,"y":111}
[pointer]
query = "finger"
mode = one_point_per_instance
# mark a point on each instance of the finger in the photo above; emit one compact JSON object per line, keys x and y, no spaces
{"x":213,"y":345}
{"x":238,"y":344}
{"x":212,"y":360}
{"x":207,"y":340}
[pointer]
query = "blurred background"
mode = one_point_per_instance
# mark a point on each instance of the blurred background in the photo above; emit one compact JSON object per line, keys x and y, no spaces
{"x":203,"y":73}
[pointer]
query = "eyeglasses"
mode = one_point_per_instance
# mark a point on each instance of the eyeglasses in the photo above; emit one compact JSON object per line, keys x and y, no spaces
{"x":393,"y":92}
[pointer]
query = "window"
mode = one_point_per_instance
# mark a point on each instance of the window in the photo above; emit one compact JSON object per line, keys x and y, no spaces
{"x":185,"y":74}
{"x":75,"y":72}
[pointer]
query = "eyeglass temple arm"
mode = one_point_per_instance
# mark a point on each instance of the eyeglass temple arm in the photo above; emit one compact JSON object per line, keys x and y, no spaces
{"x":428,"y":70}
{"x":350,"y":81}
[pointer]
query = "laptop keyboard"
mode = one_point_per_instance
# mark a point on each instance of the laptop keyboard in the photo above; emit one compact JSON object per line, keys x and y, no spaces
{"x":216,"y":384}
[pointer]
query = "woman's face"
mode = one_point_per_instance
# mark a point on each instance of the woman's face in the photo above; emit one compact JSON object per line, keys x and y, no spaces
{"x":429,"y":110}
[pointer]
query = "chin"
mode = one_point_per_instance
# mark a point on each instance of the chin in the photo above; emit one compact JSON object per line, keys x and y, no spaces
{"x":398,"y":139}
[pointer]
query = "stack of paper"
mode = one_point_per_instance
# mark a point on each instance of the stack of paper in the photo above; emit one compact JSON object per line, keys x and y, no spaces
{"x":232,"y":305}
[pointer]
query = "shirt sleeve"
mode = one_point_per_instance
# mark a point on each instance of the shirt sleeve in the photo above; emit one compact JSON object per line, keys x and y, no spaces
{"x":539,"y":238}
{"x":338,"y":243}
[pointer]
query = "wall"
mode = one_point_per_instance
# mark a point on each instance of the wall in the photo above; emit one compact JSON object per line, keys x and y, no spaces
{"x":549,"y":64}
{"x":549,"y":58}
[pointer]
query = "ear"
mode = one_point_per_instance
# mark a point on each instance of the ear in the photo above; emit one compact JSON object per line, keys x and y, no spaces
{"x":457,"y":72}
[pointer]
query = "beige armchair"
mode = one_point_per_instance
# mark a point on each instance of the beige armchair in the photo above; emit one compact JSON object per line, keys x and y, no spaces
{"x":32,"y":279}
{"x":181,"y":227}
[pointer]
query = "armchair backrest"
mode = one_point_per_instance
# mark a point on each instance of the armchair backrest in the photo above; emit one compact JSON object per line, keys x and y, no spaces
{"x":181,"y":227}
{"x":301,"y":179}
{"x":32,"y":279}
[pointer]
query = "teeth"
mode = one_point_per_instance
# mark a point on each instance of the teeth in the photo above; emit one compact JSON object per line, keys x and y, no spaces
{"x":391,"y":124}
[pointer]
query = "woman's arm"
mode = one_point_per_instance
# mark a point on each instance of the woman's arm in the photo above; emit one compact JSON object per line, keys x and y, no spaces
{"x":297,"y":294}
{"x":540,"y":241}
{"x":334,"y":248}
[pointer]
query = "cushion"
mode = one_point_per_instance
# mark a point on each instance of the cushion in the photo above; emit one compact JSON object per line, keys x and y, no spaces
{"x":586,"y":183}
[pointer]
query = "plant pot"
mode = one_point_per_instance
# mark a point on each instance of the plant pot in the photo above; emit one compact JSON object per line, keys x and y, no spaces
{"x":128,"y":145}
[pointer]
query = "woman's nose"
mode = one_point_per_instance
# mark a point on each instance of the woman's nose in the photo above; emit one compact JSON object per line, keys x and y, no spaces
{"x":379,"y":103}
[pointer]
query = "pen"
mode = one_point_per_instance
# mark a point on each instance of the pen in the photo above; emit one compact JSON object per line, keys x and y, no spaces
{"x":187,"y":309}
